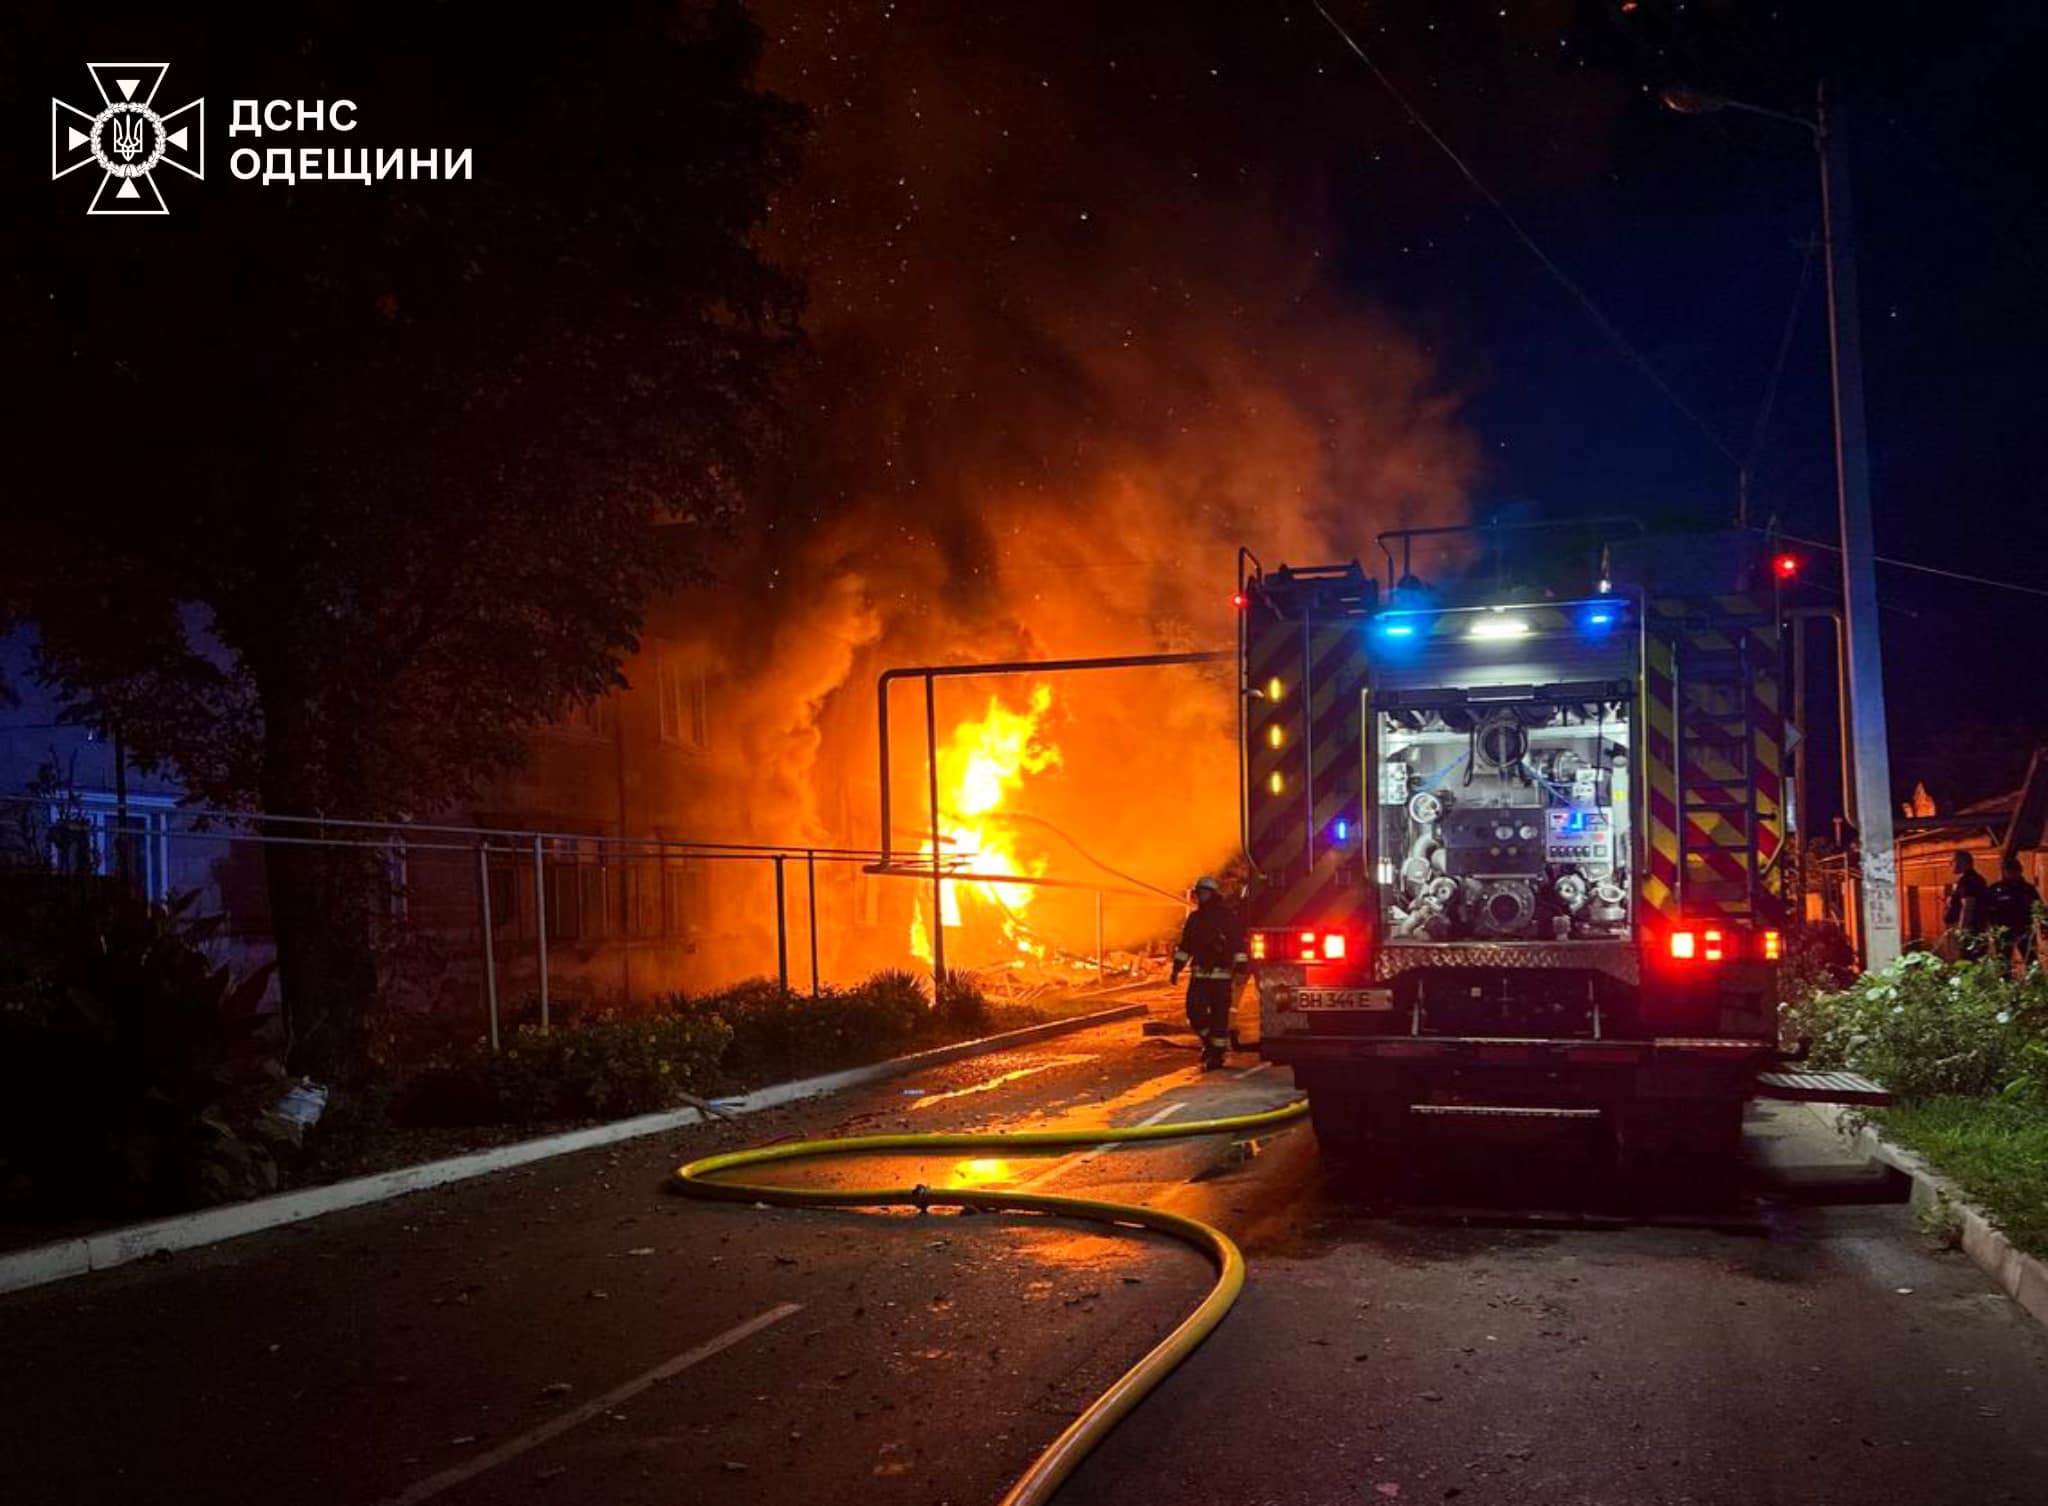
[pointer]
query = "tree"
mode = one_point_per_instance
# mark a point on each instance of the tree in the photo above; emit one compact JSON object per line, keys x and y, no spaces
{"x":339,"y":489}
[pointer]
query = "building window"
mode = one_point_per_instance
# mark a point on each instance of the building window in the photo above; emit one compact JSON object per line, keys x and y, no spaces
{"x":685,"y":896}
{"x":685,"y":707}
{"x":89,"y":833}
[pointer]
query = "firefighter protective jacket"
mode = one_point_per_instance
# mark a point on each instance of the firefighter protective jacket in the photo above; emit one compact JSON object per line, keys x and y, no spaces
{"x":1212,"y":942}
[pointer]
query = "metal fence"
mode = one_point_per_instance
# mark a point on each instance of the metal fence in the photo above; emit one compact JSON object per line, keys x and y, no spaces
{"x":476,"y":929}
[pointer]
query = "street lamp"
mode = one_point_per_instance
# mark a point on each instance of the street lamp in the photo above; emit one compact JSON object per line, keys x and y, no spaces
{"x":1878,"y":868}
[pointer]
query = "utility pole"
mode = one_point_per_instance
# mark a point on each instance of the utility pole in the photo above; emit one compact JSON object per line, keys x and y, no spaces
{"x":1878,"y":873}
{"x":1863,"y":723}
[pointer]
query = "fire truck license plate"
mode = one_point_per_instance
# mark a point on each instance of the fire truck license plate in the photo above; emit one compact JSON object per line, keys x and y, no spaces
{"x":1343,"y":998}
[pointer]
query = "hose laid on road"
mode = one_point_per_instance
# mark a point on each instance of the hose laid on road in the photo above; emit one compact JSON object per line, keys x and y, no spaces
{"x":1064,"y":1454}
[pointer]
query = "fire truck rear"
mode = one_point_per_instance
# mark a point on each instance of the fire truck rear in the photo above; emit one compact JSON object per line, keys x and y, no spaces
{"x":1515,"y":849}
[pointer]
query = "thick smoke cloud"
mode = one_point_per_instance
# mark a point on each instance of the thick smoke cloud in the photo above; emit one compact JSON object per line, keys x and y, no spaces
{"x":1078,"y":335}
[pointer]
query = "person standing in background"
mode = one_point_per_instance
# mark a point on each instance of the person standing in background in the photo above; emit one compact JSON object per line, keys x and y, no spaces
{"x":2009,"y":908}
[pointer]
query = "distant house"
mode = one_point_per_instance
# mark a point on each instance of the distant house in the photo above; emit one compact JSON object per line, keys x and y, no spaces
{"x":1990,"y":830}
{"x":597,"y":794}
{"x":65,"y":789}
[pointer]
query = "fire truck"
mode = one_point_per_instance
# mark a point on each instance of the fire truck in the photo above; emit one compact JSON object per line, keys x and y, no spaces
{"x":1517,"y":841}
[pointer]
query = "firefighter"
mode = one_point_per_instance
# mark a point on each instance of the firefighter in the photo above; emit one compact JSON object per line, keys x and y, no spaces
{"x":1212,"y":949}
{"x":2009,"y":907}
{"x":1964,"y":914}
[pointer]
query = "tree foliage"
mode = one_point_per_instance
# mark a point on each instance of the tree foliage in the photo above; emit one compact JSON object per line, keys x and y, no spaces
{"x":331,"y":492}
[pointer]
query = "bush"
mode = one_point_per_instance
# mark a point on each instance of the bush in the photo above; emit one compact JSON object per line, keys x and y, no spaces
{"x":962,"y":1008}
{"x":774,"y":1031}
{"x":615,"y":1065}
{"x":1924,"y":1028}
{"x":133,"y":1075}
{"x":609,"y":1067}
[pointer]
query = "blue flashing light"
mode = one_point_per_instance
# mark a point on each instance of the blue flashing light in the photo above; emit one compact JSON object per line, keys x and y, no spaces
{"x":1599,"y":617}
{"x":1399,"y":629}
{"x":1343,"y":830}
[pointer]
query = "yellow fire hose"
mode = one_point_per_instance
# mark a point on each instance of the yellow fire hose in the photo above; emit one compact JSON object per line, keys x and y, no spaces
{"x":1064,"y":1454}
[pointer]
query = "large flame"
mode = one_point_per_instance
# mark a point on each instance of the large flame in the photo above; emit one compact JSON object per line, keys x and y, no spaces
{"x":979,"y":768}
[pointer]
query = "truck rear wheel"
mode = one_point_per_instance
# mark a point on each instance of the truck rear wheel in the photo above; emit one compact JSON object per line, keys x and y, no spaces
{"x":1339,"y":1119}
{"x":1356,"y":1130}
{"x":1666,"y":1145}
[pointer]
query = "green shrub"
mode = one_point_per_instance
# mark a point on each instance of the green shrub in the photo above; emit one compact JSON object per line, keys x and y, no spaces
{"x":613,"y":1065}
{"x":607,"y":1067}
{"x":2030,"y":1080}
{"x":774,"y":1031}
{"x":133,"y":1072}
{"x":962,"y":1008}
{"x":1924,"y":1027}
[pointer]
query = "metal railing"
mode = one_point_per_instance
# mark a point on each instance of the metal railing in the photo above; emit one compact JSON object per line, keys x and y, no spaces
{"x":530,"y":916}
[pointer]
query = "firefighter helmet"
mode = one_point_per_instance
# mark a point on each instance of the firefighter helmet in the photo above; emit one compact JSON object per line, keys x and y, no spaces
{"x":1207,"y":885}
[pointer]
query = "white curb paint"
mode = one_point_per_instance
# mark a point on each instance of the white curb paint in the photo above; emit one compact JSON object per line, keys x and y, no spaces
{"x":40,"y":1264}
{"x":2019,"y":1275}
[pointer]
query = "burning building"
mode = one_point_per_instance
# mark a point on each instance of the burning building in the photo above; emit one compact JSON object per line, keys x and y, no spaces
{"x":1077,"y":334}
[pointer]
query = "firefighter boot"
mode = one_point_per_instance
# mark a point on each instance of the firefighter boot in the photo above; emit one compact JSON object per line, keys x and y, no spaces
{"x":1213,"y":1049}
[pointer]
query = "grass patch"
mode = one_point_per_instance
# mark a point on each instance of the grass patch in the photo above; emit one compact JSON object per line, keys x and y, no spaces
{"x":1997,"y":1152}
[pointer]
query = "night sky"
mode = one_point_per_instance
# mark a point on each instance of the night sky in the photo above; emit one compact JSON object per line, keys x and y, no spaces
{"x":1690,"y":233}
{"x":1110,"y":288}
{"x":1025,"y":168}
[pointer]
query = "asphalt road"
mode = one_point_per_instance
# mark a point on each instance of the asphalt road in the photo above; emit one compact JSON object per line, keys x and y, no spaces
{"x":573,"y":1333}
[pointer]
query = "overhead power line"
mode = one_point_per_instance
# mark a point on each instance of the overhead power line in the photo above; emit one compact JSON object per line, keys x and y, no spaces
{"x":1593,"y":311}
{"x":1899,"y":564}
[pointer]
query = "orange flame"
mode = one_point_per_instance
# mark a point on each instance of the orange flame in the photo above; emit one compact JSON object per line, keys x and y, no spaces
{"x":984,"y":763}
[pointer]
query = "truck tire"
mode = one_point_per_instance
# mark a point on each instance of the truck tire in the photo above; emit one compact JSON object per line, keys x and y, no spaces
{"x":1693,"y":1145}
{"x":1360,"y":1134}
{"x":1340,"y":1120}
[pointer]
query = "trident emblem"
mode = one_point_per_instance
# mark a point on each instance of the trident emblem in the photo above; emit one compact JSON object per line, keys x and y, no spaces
{"x":128,"y":137}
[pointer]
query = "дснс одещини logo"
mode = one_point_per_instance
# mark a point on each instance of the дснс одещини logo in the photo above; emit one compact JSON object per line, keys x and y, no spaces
{"x":127,"y":139}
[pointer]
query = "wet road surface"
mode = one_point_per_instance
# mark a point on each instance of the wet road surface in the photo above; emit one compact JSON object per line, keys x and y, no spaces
{"x":1499,"y":1325}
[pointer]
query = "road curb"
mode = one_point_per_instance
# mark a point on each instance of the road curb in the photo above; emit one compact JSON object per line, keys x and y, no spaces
{"x":39,"y":1265}
{"x":2021,"y":1276}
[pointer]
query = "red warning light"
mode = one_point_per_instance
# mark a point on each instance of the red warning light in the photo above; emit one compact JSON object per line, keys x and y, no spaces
{"x":1786,"y":566}
{"x":1239,"y":600}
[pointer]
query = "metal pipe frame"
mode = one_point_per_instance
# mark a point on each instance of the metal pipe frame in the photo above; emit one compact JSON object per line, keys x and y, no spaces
{"x":931,"y":674}
{"x":811,"y":898}
{"x":490,"y":942}
{"x":781,"y":930}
